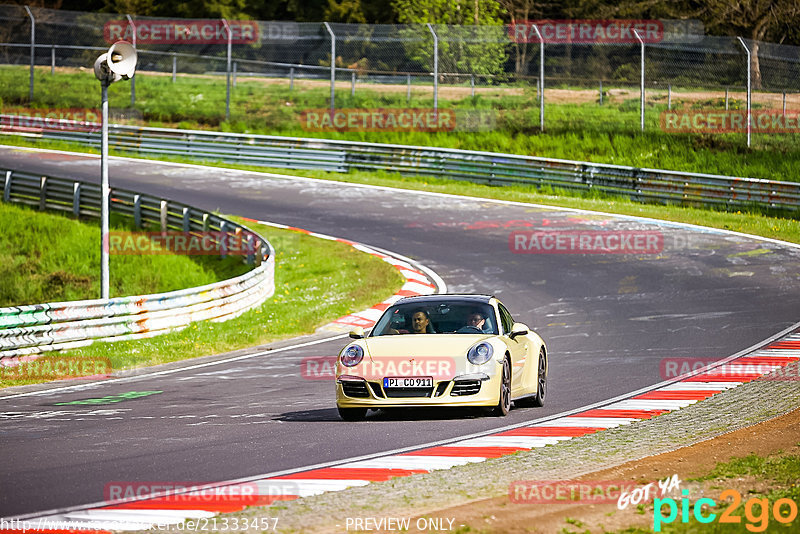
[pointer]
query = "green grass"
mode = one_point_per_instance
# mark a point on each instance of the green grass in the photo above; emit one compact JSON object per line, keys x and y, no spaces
{"x":586,"y":132}
{"x":46,"y":257}
{"x":316,"y":281}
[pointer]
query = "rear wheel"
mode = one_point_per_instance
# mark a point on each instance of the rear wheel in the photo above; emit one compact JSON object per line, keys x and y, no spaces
{"x":504,"y":403}
{"x":352,"y":414}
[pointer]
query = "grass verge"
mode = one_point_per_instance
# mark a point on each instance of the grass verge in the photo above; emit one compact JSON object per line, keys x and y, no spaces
{"x":584,"y":130}
{"x":48,"y":257}
{"x":316,"y":281}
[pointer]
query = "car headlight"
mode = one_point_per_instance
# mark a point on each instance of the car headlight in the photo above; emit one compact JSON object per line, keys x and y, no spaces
{"x":351,"y":356}
{"x":480,"y":353}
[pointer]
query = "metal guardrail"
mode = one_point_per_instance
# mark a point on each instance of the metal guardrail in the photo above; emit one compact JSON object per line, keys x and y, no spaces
{"x":44,"y":327}
{"x":638,"y":184}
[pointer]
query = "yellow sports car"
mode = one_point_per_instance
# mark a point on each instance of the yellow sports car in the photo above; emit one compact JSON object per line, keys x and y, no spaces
{"x":442,"y":350}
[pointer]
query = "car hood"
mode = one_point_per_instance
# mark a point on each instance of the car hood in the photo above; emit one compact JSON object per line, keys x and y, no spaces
{"x":421,"y":345}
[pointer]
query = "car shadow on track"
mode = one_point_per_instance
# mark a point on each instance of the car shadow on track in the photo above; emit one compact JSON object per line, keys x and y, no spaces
{"x":385,"y":415}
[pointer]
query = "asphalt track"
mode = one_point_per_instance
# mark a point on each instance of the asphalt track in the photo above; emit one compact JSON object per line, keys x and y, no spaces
{"x":610,"y":320}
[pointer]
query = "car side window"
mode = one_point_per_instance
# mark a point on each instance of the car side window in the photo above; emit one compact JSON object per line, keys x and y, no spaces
{"x":506,"y":319}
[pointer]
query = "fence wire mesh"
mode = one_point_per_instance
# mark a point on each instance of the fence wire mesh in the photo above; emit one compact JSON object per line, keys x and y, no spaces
{"x":495,"y":68}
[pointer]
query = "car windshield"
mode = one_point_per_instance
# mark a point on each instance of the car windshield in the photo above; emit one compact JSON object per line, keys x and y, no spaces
{"x":441,"y":317}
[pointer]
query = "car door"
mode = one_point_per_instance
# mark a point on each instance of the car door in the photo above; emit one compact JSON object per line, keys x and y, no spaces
{"x":518,"y":347}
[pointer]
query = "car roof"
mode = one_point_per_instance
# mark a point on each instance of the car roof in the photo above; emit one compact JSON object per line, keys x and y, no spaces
{"x":446,"y":297}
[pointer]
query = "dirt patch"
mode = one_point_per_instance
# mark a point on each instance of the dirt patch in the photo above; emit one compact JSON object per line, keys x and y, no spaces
{"x":779,"y":436}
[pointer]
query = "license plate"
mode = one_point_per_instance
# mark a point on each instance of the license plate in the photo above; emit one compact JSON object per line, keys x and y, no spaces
{"x":408,"y":382}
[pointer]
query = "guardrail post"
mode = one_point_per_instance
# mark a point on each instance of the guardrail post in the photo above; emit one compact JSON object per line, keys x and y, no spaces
{"x":163,"y":216}
{"x":33,"y":51}
{"x":186,"y":219}
{"x":435,"y":68}
{"x":205,"y":222}
{"x":749,"y":67}
{"x":223,"y":248}
{"x":137,"y":210}
{"x":43,"y":193}
{"x":641,"y":80}
{"x":76,"y":199}
{"x":251,"y":256}
{"x":333,"y":67}
{"x":133,"y":78}
{"x":7,"y":187}
{"x":228,"y":72}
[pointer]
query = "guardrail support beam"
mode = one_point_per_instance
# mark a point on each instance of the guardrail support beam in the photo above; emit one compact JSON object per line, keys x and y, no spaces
{"x":163,"y":216}
{"x":7,"y":187}
{"x":76,"y":199}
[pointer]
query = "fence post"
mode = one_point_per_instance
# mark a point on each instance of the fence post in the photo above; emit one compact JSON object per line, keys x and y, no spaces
{"x":333,"y":67}
{"x":601,"y":92}
{"x":291,"y":79}
{"x":641,"y":80}
{"x":784,"y":103}
{"x":472,"y":84}
{"x":353,"y":83}
{"x":52,"y":60}
{"x":234,"y":73}
{"x":435,"y":68}
{"x":33,"y":51}
{"x":174,"y":67}
{"x":408,"y":88}
{"x":669,"y":97}
{"x":741,"y":41}
{"x":133,"y":78}
{"x":541,"y":78}
{"x":228,"y":72}
{"x":726,"y":99}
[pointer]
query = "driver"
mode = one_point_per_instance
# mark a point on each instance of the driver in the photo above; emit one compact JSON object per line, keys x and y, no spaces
{"x":420,"y":321}
{"x":476,"y":319}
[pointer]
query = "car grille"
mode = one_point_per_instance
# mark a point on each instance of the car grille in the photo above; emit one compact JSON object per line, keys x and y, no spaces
{"x":394,"y":393}
{"x":352,"y":388}
{"x":465,"y":387}
{"x":441,"y":388}
{"x":376,"y":389}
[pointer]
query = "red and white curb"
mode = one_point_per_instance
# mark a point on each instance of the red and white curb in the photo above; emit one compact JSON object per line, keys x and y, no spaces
{"x":175,"y":508}
{"x":419,"y":281}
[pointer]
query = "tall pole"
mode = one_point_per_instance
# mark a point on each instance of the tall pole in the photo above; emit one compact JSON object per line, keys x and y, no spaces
{"x":228,"y":73}
{"x":749,"y":67}
{"x":33,"y":51}
{"x":435,"y":68}
{"x":541,"y":78}
{"x":641,"y":80}
{"x":104,"y":197}
{"x":133,"y":80}
{"x":333,"y":67}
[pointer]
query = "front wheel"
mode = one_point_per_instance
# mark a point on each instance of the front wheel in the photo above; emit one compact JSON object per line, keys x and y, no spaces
{"x":504,"y":404}
{"x":352,"y":414}
{"x":541,"y":381}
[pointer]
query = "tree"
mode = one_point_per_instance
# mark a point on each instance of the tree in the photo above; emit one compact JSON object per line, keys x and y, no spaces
{"x":471,"y":34}
{"x":758,"y":20}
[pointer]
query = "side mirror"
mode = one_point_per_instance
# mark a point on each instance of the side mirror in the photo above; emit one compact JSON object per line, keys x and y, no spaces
{"x":357,"y":333}
{"x":518,"y":329}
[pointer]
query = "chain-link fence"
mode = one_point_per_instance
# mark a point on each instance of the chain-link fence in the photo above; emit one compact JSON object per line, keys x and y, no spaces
{"x":589,"y":81}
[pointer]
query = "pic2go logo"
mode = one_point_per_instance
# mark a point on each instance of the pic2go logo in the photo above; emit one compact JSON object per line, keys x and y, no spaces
{"x":756,"y":511}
